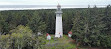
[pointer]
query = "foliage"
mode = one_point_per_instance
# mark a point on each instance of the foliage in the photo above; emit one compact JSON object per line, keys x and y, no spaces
{"x":21,"y":38}
{"x":89,"y":27}
{"x":36,"y":24}
{"x":5,"y":41}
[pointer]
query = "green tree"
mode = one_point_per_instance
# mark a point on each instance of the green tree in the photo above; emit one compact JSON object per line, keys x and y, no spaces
{"x":36,"y":24}
{"x":88,"y":26}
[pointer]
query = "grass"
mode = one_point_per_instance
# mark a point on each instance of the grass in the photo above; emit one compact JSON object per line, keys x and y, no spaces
{"x":60,"y":43}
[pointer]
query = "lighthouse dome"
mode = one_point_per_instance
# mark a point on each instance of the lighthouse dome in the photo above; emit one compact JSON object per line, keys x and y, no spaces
{"x":58,"y":5}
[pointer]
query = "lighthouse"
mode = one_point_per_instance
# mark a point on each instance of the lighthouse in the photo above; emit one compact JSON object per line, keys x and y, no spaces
{"x":59,"y":27}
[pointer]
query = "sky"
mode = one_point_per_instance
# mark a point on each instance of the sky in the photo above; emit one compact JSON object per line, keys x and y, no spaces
{"x":55,"y":2}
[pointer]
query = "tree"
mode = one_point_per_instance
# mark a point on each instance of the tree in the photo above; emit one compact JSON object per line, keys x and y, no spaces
{"x":5,"y":41}
{"x":24,"y":20}
{"x":88,"y":26}
{"x":107,"y":19}
{"x":36,"y":24}
{"x":21,"y":36}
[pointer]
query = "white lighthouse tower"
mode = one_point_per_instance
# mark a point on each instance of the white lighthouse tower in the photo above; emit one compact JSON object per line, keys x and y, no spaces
{"x":59,"y":28}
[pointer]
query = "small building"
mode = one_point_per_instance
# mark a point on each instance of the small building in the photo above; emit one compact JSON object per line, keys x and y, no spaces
{"x":48,"y":36}
{"x":69,"y":34}
{"x":39,"y":34}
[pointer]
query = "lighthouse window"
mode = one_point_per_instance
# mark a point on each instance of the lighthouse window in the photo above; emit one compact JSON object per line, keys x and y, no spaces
{"x":58,"y":8}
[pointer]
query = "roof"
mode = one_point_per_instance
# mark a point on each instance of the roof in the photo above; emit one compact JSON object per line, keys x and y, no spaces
{"x":70,"y":32}
{"x":58,"y":5}
{"x":47,"y":34}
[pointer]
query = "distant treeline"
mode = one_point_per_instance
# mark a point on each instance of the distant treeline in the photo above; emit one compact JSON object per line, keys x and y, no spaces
{"x":38,"y":20}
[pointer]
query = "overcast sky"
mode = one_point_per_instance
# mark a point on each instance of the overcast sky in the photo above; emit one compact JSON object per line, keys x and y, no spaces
{"x":55,"y":2}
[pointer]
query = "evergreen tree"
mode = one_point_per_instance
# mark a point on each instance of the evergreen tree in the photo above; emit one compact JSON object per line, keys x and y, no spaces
{"x":36,"y":24}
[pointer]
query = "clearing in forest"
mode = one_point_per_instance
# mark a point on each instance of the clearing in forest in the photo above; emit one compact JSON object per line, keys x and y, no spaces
{"x":60,"y":43}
